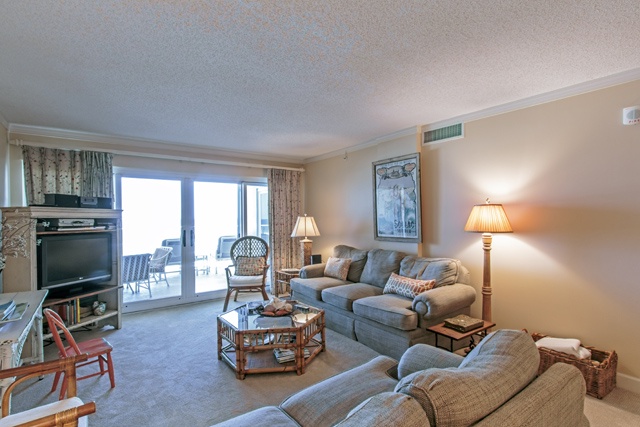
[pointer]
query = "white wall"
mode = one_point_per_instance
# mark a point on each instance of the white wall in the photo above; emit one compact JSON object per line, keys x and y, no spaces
{"x":567,"y":174}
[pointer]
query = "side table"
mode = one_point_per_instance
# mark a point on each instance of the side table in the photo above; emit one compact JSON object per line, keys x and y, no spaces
{"x":453,"y":335}
{"x":283,"y":277}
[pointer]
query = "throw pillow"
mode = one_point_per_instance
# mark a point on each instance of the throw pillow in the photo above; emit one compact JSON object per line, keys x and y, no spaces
{"x":406,"y":286}
{"x":249,"y":266}
{"x":338,"y":268}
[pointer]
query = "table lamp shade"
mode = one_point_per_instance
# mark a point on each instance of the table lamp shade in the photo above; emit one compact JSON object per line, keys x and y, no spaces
{"x":305,"y":227}
{"x":488,"y":218}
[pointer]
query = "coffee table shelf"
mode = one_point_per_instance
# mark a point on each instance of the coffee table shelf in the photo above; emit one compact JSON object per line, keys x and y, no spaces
{"x":246,"y":340}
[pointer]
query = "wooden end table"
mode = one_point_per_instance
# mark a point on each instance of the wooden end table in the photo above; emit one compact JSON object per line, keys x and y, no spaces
{"x":246,"y":340}
{"x":453,"y":335}
{"x":283,"y":277}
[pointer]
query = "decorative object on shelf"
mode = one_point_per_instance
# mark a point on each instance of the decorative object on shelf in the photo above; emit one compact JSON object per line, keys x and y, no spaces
{"x":396,"y":199}
{"x":487,"y":218}
{"x":99,"y":308}
{"x":305,"y":227}
{"x":15,"y":234}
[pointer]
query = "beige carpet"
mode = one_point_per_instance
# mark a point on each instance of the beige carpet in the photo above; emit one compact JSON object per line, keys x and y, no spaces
{"x":168,"y":374}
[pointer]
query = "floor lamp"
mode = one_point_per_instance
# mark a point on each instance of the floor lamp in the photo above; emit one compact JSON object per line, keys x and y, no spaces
{"x":487,"y":218}
{"x":305,"y":227}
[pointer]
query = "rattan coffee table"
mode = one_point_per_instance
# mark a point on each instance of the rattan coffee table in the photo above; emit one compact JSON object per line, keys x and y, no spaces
{"x":246,"y":339}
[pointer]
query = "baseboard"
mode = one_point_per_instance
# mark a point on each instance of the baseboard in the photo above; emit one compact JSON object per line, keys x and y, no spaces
{"x":628,"y":383}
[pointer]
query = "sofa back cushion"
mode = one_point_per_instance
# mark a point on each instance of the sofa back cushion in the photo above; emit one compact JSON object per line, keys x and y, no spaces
{"x":379,"y":266}
{"x":504,"y":363}
{"x":387,"y":409}
{"x":358,"y":259}
{"x":445,"y":271}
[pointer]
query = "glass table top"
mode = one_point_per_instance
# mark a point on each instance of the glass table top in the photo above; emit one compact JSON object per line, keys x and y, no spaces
{"x":248,"y":317}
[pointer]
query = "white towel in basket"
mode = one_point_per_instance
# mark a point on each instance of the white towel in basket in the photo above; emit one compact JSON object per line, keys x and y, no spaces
{"x":565,"y":345}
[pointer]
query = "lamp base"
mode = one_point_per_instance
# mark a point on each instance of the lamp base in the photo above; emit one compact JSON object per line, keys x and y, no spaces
{"x":305,"y":250}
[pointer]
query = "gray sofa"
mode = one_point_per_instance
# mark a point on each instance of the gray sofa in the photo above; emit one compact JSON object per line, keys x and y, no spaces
{"x":388,"y":323}
{"x":496,"y":384}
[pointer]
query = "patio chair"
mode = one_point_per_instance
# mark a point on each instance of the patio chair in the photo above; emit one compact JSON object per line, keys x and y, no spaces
{"x":70,"y":411}
{"x":135,"y":269}
{"x":249,"y":256}
{"x":158,"y":264}
{"x":223,"y":251}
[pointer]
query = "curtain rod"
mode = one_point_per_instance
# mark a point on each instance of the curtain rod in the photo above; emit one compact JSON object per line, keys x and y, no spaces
{"x":18,"y":142}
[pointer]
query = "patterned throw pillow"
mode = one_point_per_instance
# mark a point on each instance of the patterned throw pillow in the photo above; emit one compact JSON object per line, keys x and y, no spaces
{"x":338,"y":268}
{"x":406,"y":286}
{"x":249,"y":266}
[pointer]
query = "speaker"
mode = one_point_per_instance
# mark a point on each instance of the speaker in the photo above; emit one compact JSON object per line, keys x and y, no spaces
{"x":316,"y":259}
{"x":95,"y":202}
{"x":631,"y":115}
{"x":62,"y":200}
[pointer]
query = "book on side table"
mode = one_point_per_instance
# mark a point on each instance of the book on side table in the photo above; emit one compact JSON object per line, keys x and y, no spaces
{"x":463,"y":323}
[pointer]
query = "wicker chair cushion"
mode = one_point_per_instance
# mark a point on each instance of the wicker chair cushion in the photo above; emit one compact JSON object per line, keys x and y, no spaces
{"x":406,"y":286}
{"x":249,"y":266}
{"x":338,"y":268}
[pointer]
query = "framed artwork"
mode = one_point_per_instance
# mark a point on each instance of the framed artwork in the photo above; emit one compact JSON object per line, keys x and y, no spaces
{"x":396,"y":199}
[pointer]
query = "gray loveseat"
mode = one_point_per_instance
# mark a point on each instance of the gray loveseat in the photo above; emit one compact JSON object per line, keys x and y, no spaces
{"x":495,"y":385}
{"x":388,"y":323}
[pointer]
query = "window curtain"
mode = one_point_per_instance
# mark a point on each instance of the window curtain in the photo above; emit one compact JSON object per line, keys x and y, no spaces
{"x":55,"y":171}
{"x":285,"y":204}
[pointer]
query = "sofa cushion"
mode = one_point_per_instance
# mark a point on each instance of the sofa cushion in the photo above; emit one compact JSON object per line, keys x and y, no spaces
{"x":312,"y":288}
{"x":379,"y":266}
{"x":268,"y":416}
{"x":389,"y":309}
{"x":504,"y":363}
{"x":406,"y":286}
{"x":387,"y":409}
{"x":337,"y":268}
{"x":445,"y":271}
{"x":344,"y":296}
{"x":329,"y":401}
{"x":358,"y":259}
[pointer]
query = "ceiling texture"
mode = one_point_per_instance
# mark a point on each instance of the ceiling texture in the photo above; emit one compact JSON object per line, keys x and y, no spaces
{"x":295,"y":79}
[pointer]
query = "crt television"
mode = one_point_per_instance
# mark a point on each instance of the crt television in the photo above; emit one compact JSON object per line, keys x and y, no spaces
{"x":73,"y":258}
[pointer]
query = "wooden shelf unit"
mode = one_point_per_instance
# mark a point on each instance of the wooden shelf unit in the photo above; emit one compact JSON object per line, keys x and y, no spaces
{"x":20,"y":231}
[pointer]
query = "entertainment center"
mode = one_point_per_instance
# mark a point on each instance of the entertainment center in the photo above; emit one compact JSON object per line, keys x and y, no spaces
{"x":74,"y":253}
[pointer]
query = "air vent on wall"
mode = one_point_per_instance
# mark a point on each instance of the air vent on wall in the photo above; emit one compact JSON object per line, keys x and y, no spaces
{"x":443,"y":134}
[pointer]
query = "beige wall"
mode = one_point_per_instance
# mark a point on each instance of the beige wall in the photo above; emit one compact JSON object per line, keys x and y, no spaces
{"x":568,"y":175}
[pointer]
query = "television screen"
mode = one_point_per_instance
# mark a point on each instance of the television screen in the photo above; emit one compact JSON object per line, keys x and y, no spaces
{"x":67,"y":259}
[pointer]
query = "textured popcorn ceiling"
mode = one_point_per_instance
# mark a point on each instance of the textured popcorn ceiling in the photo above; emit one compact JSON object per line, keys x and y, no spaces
{"x":296,"y":78}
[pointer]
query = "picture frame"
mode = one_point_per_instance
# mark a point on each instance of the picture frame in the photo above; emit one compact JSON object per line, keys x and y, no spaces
{"x":396,"y":199}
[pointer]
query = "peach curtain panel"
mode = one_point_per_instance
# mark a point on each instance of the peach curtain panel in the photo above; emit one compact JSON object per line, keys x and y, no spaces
{"x":285,"y":204}
{"x":55,"y":171}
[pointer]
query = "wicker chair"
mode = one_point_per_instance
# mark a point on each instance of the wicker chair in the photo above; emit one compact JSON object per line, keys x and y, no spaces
{"x":250,"y":256}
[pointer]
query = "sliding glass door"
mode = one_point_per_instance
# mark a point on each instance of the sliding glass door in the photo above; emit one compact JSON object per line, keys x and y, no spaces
{"x":197,"y":221}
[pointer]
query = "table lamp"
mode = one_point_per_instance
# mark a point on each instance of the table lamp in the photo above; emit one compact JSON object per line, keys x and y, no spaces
{"x":487,"y":218}
{"x":305,"y":227}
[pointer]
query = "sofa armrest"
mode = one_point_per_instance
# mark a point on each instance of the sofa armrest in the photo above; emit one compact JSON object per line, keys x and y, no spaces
{"x":439,"y":302}
{"x":313,"y":270}
{"x":554,"y":398}
{"x":422,"y":356}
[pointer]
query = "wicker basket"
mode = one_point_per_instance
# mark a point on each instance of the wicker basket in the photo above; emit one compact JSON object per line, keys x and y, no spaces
{"x":600,"y":378}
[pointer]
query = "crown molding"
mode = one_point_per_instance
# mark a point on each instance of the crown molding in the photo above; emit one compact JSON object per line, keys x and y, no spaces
{"x":4,"y":122}
{"x":137,"y":143}
{"x":371,"y":143}
{"x":566,"y":92}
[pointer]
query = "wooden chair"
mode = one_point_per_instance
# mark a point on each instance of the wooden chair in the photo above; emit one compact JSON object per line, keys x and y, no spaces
{"x":67,"y":412}
{"x":249,"y":256}
{"x":97,"y":349}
